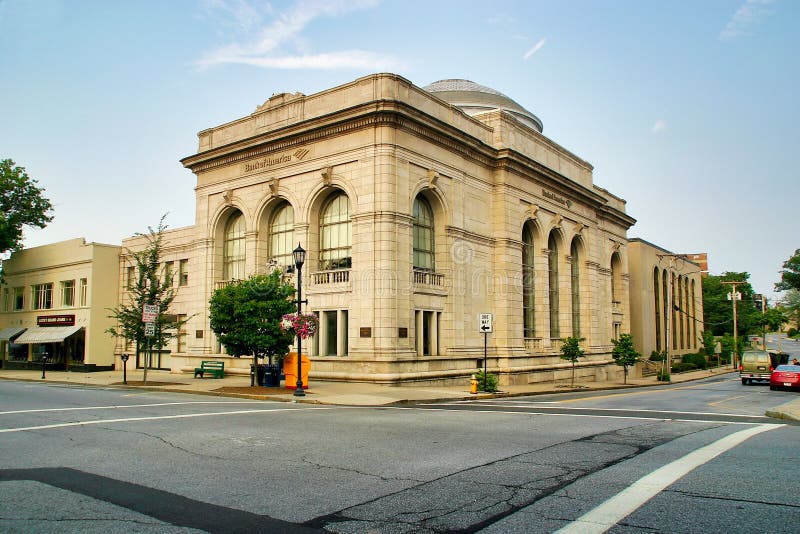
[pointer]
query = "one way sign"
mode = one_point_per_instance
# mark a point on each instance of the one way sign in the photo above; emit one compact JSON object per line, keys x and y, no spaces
{"x":485,"y":321}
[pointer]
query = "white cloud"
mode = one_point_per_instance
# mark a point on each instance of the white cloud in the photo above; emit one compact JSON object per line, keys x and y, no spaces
{"x":280,"y":44}
{"x":535,"y":48}
{"x":660,"y":125}
{"x":745,"y":17}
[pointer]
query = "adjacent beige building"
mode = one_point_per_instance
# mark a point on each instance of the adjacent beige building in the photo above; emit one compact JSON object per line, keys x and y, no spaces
{"x":55,"y":301}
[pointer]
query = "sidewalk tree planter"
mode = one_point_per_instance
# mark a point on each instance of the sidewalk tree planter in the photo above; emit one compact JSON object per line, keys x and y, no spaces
{"x":624,"y":353}
{"x":246,"y":317}
{"x":571,"y":351}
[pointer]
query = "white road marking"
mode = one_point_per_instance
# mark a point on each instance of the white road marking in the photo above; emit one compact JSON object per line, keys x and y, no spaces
{"x":629,"y":500}
{"x":118,"y":406}
{"x":151,"y":418}
{"x":534,"y":405}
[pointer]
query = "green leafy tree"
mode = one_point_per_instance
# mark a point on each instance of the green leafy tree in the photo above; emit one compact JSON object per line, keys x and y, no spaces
{"x":21,"y":204}
{"x":790,"y":274}
{"x":790,"y":304}
{"x":774,"y":318}
{"x":246,"y":316}
{"x":709,"y":343}
{"x":718,"y":310}
{"x":571,"y":351}
{"x":624,"y":353}
{"x":152,"y":286}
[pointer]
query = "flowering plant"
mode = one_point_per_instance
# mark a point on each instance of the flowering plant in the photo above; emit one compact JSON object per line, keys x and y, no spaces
{"x":304,"y":325}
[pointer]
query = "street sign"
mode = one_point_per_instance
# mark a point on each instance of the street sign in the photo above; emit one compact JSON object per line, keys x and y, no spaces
{"x":485,"y":321}
{"x":149,"y":313}
{"x":735,"y":296}
{"x":150,"y":329}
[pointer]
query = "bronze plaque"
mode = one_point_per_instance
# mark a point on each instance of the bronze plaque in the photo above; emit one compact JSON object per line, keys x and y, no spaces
{"x":365,"y":331}
{"x":402,"y":332}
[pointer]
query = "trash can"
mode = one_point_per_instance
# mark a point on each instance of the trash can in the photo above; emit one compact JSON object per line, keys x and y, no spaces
{"x":260,"y":373}
{"x":272,"y":376}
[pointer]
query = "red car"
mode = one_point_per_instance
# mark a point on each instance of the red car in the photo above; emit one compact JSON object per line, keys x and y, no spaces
{"x":785,"y":376}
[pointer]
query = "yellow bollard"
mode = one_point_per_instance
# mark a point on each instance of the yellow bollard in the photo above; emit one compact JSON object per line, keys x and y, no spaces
{"x":473,"y":385}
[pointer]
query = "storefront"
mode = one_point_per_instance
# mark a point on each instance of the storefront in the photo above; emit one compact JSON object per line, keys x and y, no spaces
{"x":62,"y":345}
{"x":9,"y":349}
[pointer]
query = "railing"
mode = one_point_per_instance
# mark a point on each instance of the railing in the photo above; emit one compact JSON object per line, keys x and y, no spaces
{"x":555,"y":343}
{"x":340,"y":276}
{"x":224,"y":283}
{"x":534,"y":344}
{"x":429,"y":278}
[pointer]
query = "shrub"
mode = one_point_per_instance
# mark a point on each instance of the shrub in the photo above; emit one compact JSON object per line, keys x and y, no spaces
{"x":699,"y":360}
{"x":662,"y":376}
{"x":656,"y":356}
{"x":489,"y":385}
{"x":683,"y":367}
{"x":792,"y":332}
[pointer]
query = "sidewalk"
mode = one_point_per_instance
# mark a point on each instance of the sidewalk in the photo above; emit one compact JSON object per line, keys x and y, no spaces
{"x":348,"y":393}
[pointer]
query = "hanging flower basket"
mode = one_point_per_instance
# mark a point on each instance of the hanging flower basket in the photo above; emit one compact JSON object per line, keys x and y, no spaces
{"x":303,"y":325}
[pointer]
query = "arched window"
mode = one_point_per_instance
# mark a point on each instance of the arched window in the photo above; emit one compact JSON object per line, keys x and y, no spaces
{"x":423,"y":235}
{"x":576,"y":288}
{"x":680,"y":311}
{"x":281,"y":235}
{"x":693,"y":319}
{"x":673,"y":314}
{"x":656,"y":290}
{"x":233,"y":251}
{"x":665,"y":307}
{"x":552,"y":269}
{"x":528,"y":296}
{"x":335,"y":234}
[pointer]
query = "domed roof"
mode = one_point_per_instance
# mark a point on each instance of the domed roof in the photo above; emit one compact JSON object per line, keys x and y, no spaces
{"x":474,"y":98}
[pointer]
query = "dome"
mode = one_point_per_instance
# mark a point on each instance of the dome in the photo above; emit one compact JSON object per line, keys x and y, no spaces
{"x":474,"y":98}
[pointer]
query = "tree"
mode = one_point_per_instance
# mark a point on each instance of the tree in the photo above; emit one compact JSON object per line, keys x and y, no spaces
{"x":21,"y":204}
{"x":790,"y":274}
{"x":624,"y":353}
{"x":571,"y":351}
{"x":152,"y":286}
{"x":718,"y":310}
{"x":246,"y":316}
{"x":774,"y":318}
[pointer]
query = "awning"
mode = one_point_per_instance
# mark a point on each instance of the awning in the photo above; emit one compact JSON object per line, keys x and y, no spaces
{"x":51,"y":334}
{"x":7,"y":333}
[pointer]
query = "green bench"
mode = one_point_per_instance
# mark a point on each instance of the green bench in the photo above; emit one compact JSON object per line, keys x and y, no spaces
{"x":216,"y":369}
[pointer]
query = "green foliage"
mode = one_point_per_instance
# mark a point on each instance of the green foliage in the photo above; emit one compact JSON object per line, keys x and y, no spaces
{"x":152,"y":286}
{"x":662,"y":376}
{"x":683,"y":367}
{"x":656,"y":356}
{"x":698,"y":360}
{"x":790,"y":274}
{"x":774,"y":318}
{"x":709,"y":343}
{"x":624,"y":353}
{"x":792,"y":332}
{"x":21,"y":204}
{"x":246,"y":316}
{"x":571,"y":351}
{"x":727,"y":345}
{"x":487,"y":383}
{"x":718,"y":310}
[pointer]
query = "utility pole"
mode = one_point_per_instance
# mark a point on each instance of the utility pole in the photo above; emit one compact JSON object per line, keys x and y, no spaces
{"x":733,"y":296}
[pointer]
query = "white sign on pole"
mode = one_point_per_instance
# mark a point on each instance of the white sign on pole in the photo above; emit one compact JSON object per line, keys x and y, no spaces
{"x":149,"y":313}
{"x":735,"y":296}
{"x":485,"y":321}
{"x":149,"y":329}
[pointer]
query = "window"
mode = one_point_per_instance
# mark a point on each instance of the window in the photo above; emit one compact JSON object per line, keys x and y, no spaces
{"x":19,"y":298}
{"x":6,"y":301}
{"x":528,"y":296}
{"x":84,"y":289}
{"x":130,"y":276}
{"x":233,"y":253}
{"x":552,"y":268}
{"x":576,"y":288}
{"x":331,"y":339}
{"x":183,"y":273}
{"x":693,"y":318}
{"x":169,"y":269}
{"x":68,"y":293}
{"x":656,"y":289}
{"x":42,"y":296}
{"x":281,"y":236}
{"x":423,"y":235}
{"x":180,"y":338}
{"x":427,"y":332}
{"x":335,"y":234}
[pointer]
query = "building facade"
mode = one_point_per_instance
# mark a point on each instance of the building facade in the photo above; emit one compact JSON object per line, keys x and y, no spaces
{"x":54,"y":301}
{"x":420,"y":209}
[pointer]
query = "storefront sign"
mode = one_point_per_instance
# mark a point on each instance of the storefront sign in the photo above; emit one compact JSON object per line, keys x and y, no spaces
{"x":55,"y":320}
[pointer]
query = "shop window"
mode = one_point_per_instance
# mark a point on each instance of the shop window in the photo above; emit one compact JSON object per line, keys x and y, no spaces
{"x":84,"y":289}
{"x":42,"y":296}
{"x":183,"y":273}
{"x":335,"y":234}
{"x":68,"y":293}
{"x":423,"y":235}
{"x":19,"y":298}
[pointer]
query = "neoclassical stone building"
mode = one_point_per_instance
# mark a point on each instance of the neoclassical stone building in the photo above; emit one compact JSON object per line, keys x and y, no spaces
{"x":420,"y":209}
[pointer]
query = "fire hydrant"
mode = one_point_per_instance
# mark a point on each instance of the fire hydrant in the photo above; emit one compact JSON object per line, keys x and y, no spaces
{"x":473,"y":385}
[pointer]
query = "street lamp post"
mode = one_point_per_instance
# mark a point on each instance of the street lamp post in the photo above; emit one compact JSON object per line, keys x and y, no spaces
{"x":299,"y":256}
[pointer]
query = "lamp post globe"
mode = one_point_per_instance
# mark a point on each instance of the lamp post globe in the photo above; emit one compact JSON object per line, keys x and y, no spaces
{"x":299,"y":257}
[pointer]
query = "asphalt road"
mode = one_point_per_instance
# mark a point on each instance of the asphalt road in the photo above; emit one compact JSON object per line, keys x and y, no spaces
{"x":695,"y":457}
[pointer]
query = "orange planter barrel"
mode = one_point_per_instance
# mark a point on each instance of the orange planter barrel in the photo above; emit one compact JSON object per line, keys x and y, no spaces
{"x":290,"y":370}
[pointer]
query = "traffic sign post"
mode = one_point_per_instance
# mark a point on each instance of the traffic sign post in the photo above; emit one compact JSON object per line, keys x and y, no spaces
{"x":485,"y":321}
{"x":150,"y":313}
{"x":149,"y":329}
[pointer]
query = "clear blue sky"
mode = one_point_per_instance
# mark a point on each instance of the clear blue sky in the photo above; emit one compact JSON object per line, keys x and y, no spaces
{"x":687,"y":109}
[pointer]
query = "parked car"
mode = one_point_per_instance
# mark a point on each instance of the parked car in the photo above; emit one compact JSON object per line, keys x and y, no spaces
{"x":755,"y":365}
{"x":785,"y":376}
